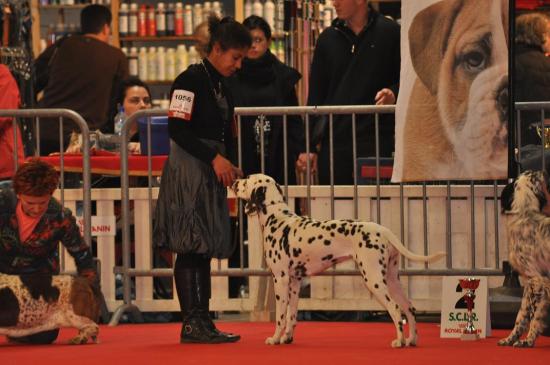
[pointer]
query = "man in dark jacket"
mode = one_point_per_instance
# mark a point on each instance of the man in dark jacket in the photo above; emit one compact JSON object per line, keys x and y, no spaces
{"x":356,"y":61}
{"x":84,"y":74}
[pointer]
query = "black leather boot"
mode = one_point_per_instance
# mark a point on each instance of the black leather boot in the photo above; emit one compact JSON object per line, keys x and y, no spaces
{"x":204,"y":286}
{"x":194,"y":328}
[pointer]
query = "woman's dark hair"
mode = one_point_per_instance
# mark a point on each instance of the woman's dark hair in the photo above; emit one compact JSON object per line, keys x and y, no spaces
{"x":93,"y":18}
{"x":35,"y":178}
{"x":531,"y":29}
{"x":128,"y":83}
{"x":229,"y":33}
{"x":256,"y":22}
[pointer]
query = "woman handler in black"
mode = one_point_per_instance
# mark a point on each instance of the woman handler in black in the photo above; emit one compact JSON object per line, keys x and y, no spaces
{"x":191,"y":216}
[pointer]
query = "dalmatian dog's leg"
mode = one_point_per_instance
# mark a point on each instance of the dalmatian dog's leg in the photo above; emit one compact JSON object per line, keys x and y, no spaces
{"x":540,"y":304}
{"x":280,"y":285}
{"x":292,"y":309}
{"x":398,"y":294}
{"x":374,"y":274}
{"x":523,"y":317}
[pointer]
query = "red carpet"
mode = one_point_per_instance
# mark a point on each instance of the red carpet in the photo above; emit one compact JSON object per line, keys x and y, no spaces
{"x":315,"y":343}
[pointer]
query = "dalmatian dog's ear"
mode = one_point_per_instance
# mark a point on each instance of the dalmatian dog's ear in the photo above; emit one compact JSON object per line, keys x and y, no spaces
{"x":256,"y":203}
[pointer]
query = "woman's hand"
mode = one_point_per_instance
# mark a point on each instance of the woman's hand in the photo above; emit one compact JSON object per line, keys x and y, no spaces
{"x":225,"y":170}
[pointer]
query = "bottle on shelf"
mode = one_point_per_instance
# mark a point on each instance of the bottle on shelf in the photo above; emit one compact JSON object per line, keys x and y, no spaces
{"x":170,"y":23}
{"x":133,"y":68}
{"x":152,"y":64}
{"x":178,"y":19}
{"x":217,"y":8}
{"x":257,"y":8}
{"x":188,"y":20}
{"x":182,"y":59}
{"x":197,"y":14}
{"x":120,"y":117}
{"x":207,"y":8}
{"x":151,"y":21}
{"x":142,"y":21}
{"x":142,"y":64}
{"x":171,"y":64}
{"x":269,"y":13}
{"x":247,"y":8}
{"x":161,"y":64}
{"x":123,"y":26}
{"x":161,"y":19}
{"x":133,"y":20}
{"x":193,"y":56}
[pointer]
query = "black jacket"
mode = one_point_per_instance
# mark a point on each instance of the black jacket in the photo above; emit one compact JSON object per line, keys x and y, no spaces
{"x":208,"y":121}
{"x":531,"y":83}
{"x":268,"y":82}
{"x":349,"y":69}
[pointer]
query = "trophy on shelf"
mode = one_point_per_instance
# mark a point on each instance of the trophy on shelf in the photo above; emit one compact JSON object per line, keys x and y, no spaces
{"x":469,"y":285}
{"x":546,"y":134}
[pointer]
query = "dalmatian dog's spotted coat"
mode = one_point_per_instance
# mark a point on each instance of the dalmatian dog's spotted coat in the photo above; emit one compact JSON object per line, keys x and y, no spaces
{"x":295,"y":247}
{"x":528,"y":229}
{"x":34,"y":303}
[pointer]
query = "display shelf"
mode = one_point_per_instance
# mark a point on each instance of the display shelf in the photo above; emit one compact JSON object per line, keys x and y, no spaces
{"x":157,"y":38}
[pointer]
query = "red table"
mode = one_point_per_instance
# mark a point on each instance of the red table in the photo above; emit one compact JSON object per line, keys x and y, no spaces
{"x":108,"y":163}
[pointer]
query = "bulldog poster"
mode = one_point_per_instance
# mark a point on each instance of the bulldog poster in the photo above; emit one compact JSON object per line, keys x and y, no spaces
{"x":452,"y":109}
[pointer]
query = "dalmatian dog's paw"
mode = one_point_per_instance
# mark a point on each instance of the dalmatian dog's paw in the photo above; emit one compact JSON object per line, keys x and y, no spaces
{"x":508,"y":341}
{"x":271,"y":341}
{"x":78,"y":340}
{"x":524,"y":343}
{"x":411,"y":342}
{"x":286,"y":339}
{"x":397,"y":343}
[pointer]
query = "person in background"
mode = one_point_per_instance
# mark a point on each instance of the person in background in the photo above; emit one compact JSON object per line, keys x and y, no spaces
{"x":532,"y":70}
{"x":9,"y":99}
{"x":263,"y":80}
{"x":32,"y":223}
{"x":356,"y":62}
{"x":191,"y":216}
{"x":134,"y":95}
{"x":84,"y":73}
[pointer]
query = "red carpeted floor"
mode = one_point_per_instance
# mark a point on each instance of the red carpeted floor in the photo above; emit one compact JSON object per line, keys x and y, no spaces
{"x":340,"y":343}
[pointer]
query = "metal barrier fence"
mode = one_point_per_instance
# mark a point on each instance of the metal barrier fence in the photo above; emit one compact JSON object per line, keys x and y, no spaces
{"x":366,"y":203}
{"x":542,"y":107}
{"x":62,"y":114}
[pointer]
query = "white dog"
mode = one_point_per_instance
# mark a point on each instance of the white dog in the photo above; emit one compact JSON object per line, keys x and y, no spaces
{"x":529,"y":249}
{"x":295,"y":247}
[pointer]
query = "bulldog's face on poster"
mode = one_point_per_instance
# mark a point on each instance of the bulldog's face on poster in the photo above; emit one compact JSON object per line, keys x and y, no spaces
{"x":459,"y":51}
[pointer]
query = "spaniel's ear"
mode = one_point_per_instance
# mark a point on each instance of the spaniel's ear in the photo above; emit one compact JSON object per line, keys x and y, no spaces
{"x":507,"y":197}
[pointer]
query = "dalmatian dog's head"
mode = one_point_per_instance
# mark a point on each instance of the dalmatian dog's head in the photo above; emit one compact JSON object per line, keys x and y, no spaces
{"x":258,"y":191}
{"x":529,"y":192}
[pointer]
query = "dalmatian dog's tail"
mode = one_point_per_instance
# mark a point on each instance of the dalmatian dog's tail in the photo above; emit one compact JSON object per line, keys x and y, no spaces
{"x":396,"y":242}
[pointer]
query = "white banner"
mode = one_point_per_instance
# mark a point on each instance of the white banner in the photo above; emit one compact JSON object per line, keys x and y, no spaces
{"x":454,"y":310}
{"x":101,"y":225}
{"x":452,"y":110}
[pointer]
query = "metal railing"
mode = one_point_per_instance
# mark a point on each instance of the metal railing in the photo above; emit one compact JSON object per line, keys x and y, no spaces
{"x":404,"y":192}
{"x":73,"y":116}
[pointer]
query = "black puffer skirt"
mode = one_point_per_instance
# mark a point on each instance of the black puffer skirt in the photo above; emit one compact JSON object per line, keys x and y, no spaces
{"x":192,"y":215}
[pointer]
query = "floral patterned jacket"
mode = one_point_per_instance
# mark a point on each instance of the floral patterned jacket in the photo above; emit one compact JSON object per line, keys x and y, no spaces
{"x":40,"y":252}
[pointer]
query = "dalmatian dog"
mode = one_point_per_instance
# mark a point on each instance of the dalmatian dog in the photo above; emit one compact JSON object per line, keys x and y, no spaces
{"x":524,"y":203}
{"x":38,"y":302}
{"x":295,"y":247}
